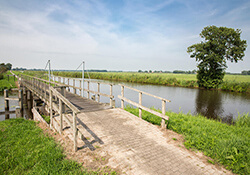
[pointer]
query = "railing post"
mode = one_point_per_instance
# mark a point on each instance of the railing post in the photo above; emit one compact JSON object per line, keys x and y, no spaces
{"x":68,"y":84}
{"x":80,"y":90}
{"x":74,"y":132}
{"x":122,"y":101}
{"x":61,"y":116}
{"x":163,"y":108}
{"x":88,"y":90}
{"x":20,"y":99}
{"x":140,"y":102}
{"x":98,"y":90}
{"x":33,"y":82}
{"x":63,"y":80}
{"x":50,"y":108}
{"x":74,"y":86}
{"x":111,"y":93}
{"x":6,"y":102}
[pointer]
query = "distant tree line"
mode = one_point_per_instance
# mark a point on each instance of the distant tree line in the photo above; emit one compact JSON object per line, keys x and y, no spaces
{"x":175,"y":71}
{"x":245,"y":72}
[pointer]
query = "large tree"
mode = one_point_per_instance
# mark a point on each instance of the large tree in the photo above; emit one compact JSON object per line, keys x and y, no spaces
{"x":219,"y":45}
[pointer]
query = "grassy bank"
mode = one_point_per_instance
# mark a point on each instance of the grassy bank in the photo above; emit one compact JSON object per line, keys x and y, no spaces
{"x":5,"y":84}
{"x":24,"y":149}
{"x":234,"y":83}
{"x":227,"y":145}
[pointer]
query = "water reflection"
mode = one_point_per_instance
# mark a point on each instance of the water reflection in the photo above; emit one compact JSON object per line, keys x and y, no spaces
{"x":209,"y":103}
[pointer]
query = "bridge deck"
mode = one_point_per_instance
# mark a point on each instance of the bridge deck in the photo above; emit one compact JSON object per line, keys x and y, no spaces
{"x":84,"y":104}
{"x":134,"y":145}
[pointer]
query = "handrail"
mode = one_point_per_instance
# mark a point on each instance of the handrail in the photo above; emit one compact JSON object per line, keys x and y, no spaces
{"x":98,"y":93}
{"x":47,"y":81}
{"x":139,"y":105}
{"x":40,"y":87}
{"x":65,"y":101}
{"x":146,"y":93}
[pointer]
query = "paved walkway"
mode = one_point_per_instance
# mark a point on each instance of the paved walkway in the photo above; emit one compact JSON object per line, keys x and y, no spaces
{"x":136,"y":146}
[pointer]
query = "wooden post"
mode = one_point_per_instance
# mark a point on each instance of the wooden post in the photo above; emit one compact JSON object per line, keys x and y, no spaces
{"x":122,"y":101}
{"x":45,"y":93}
{"x":20,"y":99}
{"x":163,"y":108}
{"x":61,"y":116}
{"x":6,"y":102}
{"x":68,"y":84}
{"x":88,"y":91}
{"x":18,"y":112}
{"x":80,"y":90}
{"x":74,"y":132}
{"x":74,"y":86}
{"x":50,"y":108}
{"x":111,"y":93}
{"x":140,"y":102}
{"x":98,"y":90}
{"x":63,"y":80}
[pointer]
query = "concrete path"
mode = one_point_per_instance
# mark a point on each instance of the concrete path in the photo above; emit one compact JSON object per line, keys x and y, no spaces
{"x":136,"y":146}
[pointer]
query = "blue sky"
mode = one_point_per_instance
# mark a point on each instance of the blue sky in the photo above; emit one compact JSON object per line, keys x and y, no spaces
{"x":114,"y":34}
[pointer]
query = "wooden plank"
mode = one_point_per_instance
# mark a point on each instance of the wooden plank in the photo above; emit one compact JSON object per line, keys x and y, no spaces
{"x":11,"y":98}
{"x":144,"y":108}
{"x":146,"y":93}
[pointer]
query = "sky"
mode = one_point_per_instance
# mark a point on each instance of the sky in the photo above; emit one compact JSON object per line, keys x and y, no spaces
{"x":127,"y":35}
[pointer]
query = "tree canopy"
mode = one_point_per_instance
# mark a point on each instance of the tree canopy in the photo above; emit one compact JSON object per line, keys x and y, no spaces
{"x":219,"y":45}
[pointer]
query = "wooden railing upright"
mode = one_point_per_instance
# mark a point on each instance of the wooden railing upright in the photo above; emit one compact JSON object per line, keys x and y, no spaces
{"x":141,"y":107}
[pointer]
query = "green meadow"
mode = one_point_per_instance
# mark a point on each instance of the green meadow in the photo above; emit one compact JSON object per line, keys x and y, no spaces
{"x":25,"y":149}
{"x":232,"y":83}
{"x":7,"y":84}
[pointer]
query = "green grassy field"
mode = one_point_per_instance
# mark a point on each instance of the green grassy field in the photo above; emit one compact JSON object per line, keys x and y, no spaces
{"x":24,"y":149}
{"x":227,"y":145}
{"x":233,"y":83}
{"x":5,"y":84}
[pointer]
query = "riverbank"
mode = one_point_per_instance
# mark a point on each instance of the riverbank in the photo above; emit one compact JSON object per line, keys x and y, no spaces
{"x":7,"y":83}
{"x":227,"y":145}
{"x":25,"y":149}
{"x":233,"y":83}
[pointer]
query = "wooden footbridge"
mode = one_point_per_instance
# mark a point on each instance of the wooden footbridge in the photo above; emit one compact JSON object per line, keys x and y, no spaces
{"x":132,"y":144}
{"x":68,"y":105}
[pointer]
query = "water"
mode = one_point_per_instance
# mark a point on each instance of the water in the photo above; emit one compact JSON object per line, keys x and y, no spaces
{"x":212,"y":104}
{"x":12,"y":107}
{"x":220,"y":105}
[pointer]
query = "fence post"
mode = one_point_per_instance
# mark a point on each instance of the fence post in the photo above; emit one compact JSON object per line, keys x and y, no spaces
{"x":50,"y":108}
{"x":80,"y":90}
{"x":98,"y":90}
{"x":18,"y":112}
{"x":74,"y":132}
{"x":61,"y":117}
{"x":111,"y":93}
{"x":20,"y":98}
{"x":163,"y":108}
{"x":6,"y":102}
{"x":68,"y":86}
{"x":122,"y":101}
{"x":140,"y":102}
{"x":74,"y":86}
{"x":88,"y":91}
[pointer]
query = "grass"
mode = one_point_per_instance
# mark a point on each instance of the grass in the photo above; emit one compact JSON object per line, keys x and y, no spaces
{"x":233,"y":83}
{"x":5,"y":84}
{"x":226,"y":144}
{"x":24,"y":149}
{"x":46,"y":118}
